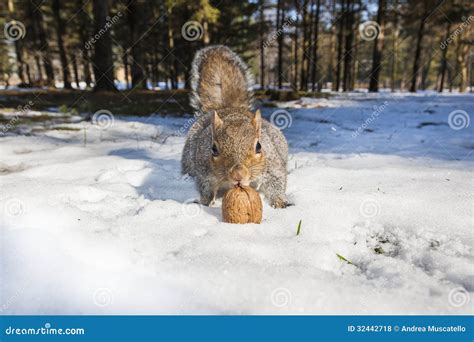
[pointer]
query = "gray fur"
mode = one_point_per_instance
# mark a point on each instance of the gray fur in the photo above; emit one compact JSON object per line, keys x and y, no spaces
{"x":197,"y":155}
{"x":198,"y":60}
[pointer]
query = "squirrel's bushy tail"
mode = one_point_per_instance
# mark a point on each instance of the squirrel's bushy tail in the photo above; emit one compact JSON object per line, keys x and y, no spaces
{"x":220,"y":79}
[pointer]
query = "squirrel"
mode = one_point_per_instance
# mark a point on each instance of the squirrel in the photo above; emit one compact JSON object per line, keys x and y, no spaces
{"x":229,"y":144}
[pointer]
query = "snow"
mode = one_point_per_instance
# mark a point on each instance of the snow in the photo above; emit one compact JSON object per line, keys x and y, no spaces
{"x":100,"y":221}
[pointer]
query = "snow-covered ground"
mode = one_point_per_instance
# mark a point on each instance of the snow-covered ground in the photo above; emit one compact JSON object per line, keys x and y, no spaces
{"x":101,"y":220}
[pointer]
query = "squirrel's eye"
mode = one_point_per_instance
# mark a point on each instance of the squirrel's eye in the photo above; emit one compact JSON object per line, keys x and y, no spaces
{"x":215,"y":151}
{"x":258,"y":147}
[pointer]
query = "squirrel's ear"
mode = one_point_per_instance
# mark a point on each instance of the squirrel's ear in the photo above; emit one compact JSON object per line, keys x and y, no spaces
{"x":216,"y":121}
{"x":257,"y":122}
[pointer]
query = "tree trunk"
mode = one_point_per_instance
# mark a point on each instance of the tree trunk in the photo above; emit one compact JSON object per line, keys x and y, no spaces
{"x":18,"y":48}
{"x":331,"y":68}
{"x":304,"y":57}
{"x":59,"y":38}
{"x":425,"y":72}
{"x":314,"y":69}
{"x":339,"y":46}
{"x":39,"y":79}
{"x":19,"y":61}
{"x":156,"y":69}
{"x":76,"y":71}
{"x":156,"y":38}
{"x":279,"y":25}
{"x":396,"y":33}
{"x":443,"y":59}
{"x":378,"y":48}
{"x":84,"y":34}
{"x":348,"y":46}
{"x":172,"y":69}
{"x":416,"y":61}
{"x":356,"y":40}
{"x":103,"y":62}
{"x":295,"y":50}
{"x":126,"y":66}
{"x":42,"y":42}
{"x":28,"y":75}
{"x":462,"y":65}
{"x":86,"y":68}
{"x":310,"y":44}
{"x":262,"y":42}
{"x":135,"y":19}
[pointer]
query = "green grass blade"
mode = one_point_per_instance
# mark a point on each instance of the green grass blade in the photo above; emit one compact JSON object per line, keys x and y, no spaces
{"x":298,"y":230}
{"x":344,"y":259}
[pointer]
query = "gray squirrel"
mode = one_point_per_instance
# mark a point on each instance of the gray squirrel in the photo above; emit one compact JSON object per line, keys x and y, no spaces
{"x":229,"y":144}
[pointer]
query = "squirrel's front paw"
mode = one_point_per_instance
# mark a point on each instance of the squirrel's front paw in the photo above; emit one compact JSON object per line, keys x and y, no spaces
{"x":280,"y":203}
{"x":208,"y":202}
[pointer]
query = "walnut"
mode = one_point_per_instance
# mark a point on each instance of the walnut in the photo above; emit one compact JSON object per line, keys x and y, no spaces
{"x":242,"y":205}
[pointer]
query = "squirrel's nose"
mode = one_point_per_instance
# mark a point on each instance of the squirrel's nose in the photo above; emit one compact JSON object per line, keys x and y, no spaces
{"x":239,"y":173}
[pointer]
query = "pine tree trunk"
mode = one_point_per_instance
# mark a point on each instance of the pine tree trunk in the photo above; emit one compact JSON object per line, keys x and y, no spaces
{"x":76,"y":71}
{"x":59,"y":38}
{"x":443,"y":59}
{"x":43,"y":45}
{"x":396,"y":32}
{"x":355,"y":60}
{"x":39,"y":79}
{"x":154,"y":67}
{"x":135,"y":19}
{"x":416,"y":61}
{"x":339,"y":46}
{"x":19,"y":61}
{"x":295,"y":51}
{"x":348,"y":47}
{"x":425,"y":73}
{"x":28,"y":75}
{"x":86,"y":68}
{"x":304,"y":58}
{"x":103,"y":62}
{"x":126,"y":68}
{"x":262,"y":42}
{"x":172,"y":69}
{"x":280,"y":16}
{"x":314,"y":69}
{"x":462,"y":64}
{"x":84,"y":35}
{"x":331,"y":68}
{"x":378,"y":48}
